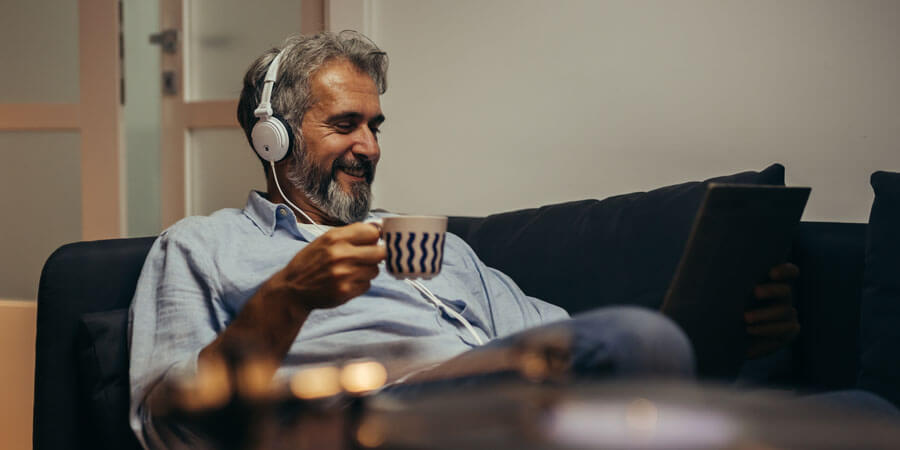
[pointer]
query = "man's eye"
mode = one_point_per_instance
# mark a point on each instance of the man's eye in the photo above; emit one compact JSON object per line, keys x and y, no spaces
{"x":344,"y":126}
{"x":375,"y":130}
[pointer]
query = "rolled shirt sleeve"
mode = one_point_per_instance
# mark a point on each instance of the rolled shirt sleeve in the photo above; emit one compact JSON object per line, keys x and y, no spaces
{"x":173,"y":317}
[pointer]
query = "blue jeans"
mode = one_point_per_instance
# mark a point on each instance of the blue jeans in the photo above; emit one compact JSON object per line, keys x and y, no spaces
{"x":611,"y":342}
{"x":855,"y":399}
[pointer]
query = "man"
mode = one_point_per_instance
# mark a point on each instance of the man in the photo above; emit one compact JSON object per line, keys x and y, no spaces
{"x":301,"y":284}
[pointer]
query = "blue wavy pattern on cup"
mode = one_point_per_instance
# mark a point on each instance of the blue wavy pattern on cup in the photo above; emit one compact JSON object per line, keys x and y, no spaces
{"x":438,"y":253}
{"x":423,"y":257}
{"x":424,"y":254}
{"x":412,"y":253}
{"x":394,"y":244}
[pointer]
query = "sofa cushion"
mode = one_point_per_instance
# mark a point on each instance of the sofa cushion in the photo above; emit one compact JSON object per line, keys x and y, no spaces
{"x":590,"y":253}
{"x":880,"y":303}
{"x":102,"y":352}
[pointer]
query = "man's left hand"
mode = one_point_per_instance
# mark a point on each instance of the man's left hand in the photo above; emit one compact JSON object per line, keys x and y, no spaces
{"x":771,"y":320}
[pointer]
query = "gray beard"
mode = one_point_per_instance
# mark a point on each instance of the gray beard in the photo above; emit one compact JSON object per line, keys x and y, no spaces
{"x":322,"y":190}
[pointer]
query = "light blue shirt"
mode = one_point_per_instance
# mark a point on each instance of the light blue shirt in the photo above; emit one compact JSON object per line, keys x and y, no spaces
{"x":201,"y":271}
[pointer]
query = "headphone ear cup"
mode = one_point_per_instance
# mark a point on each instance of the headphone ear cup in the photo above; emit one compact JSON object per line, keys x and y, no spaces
{"x":272,"y":139}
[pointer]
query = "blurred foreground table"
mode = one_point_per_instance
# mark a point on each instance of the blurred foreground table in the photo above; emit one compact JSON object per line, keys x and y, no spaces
{"x":618,"y":415}
{"x":521,"y":415}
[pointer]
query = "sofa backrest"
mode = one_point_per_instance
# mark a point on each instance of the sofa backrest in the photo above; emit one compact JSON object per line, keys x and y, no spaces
{"x":831,"y":258}
{"x":79,"y":280}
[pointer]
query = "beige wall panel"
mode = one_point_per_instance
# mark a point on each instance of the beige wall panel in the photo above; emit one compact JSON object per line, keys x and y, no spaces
{"x":17,"y":334}
{"x":312,"y":16}
{"x":39,"y":51}
{"x":41,"y":180}
{"x":172,"y":137}
{"x":102,"y":158}
{"x":222,"y":170}
{"x":211,"y":114}
{"x":39,"y":116}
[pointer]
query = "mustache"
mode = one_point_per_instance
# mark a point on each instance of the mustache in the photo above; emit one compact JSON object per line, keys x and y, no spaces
{"x":367,"y":166}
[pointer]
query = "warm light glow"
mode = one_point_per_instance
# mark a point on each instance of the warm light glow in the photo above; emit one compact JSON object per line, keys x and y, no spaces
{"x":316,"y":382}
{"x":364,"y":376}
{"x":370,"y":433}
{"x":255,"y":378}
{"x":210,"y":388}
{"x":533,"y":366}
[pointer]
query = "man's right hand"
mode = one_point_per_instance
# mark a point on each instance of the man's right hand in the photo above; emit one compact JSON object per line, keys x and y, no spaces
{"x":334,"y":268}
{"x":328,"y":272}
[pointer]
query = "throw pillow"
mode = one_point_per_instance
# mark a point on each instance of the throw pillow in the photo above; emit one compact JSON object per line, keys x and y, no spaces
{"x":880,"y":303}
{"x":102,"y":350}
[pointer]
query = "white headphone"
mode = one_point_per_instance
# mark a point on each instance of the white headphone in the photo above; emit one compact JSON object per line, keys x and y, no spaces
{"x":271,"y":135}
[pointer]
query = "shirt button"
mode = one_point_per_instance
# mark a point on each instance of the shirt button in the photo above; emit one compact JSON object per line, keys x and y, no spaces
{"x":282,"y":211}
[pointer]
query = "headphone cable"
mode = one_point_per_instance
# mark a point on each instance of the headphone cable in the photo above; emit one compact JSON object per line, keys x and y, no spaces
{"x":438,"y":303}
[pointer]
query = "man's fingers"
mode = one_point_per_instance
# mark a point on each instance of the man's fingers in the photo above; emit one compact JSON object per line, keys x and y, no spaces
{"x":762,"y":347}
{"x":773,"y":291}
{"x":771,"y":314}
{"x":778,"y":330}
{"x":366,"y":254}
{"x":366,"y":272}
{"x":355,"y":243}
{"x":357,"y":234}
{"x":783,"y":272}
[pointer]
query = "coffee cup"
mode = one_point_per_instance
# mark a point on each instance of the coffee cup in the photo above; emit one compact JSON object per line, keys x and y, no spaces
{"x":415,"y":245}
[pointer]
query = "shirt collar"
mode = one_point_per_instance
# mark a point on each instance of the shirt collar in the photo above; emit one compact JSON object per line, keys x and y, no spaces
{"x":265,"y":214}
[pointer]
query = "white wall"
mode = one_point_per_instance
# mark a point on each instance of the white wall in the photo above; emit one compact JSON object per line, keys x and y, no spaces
{"x":504,"y":104}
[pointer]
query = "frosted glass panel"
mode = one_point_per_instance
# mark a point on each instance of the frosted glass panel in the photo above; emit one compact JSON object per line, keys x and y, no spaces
{"x":41,"y":204}
{"x":225,"y":36}
{"x":141,"y":115}
{"x":222,"y":169}
{"x":39,"y":54}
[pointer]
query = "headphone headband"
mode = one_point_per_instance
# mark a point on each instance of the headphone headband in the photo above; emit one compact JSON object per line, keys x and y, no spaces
{"x":264,"y":110}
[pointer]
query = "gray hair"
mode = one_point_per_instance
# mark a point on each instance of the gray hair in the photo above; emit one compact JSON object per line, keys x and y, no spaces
{"x":305,"y":55}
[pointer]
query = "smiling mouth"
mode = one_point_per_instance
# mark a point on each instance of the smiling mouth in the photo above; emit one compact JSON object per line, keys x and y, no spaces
{"x":361,"y":169}
{"x":358,"y":172}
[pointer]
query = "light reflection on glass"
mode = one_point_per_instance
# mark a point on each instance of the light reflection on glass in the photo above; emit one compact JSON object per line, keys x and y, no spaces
{"x":371,"y":432}
{"x":638,"y":423}
{"x":641,"y":418}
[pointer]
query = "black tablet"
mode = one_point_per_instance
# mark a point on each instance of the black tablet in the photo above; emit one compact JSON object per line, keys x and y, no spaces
{"x":740,"y":232}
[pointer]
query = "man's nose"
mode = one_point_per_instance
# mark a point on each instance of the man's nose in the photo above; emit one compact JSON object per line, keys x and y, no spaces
{"x":366,"y":144}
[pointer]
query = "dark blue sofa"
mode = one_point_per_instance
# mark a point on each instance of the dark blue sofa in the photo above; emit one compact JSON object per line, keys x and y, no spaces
{"x":81,"y":391}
